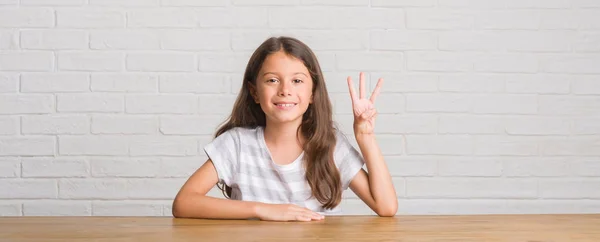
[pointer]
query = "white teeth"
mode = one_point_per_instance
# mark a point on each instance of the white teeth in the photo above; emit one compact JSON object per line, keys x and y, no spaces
{"x":286,"y":105}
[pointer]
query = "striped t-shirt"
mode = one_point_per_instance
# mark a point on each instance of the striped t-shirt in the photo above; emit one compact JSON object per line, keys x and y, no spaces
{"x":244,"y":163}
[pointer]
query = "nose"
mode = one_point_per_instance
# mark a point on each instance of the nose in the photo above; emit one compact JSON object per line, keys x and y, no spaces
{"x":284,"y":89}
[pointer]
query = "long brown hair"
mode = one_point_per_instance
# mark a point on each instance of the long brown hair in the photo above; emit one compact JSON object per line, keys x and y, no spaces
{"x":317,"y":125}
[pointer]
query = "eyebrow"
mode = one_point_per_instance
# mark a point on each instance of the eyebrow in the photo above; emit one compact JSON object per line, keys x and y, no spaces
{"x":277,"y":73}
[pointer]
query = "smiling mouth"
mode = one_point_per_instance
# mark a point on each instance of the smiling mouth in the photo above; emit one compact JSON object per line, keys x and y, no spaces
{"x":285,"y":105}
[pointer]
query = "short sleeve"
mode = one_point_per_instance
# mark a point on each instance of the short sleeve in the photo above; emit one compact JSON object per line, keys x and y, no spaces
{"x":222,"y":151}
{"x":348,"y":160}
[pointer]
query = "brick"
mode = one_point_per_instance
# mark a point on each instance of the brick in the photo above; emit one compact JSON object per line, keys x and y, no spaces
{"x":559,"y":19}
{"x":9,"y":82}
{"x":55,"y":124}
{"x":164,"y":146}
{"x":100,"y":103}
{"x":194,"y":83}
{"x":266,"y":2}
{"x":570,"y":146}
{"x":578,"y":188}
{"x":93,"y":145}
{"x":57,"y":208}
{"x":336,"y":81}
{"x":90,"y":61}
{"x":54,"y":39}
{"x":356,"y":207}
{"x":586,"y":126}
{"x":162,"y":18}
{"x":494,"y":206}
{"x":330,"y":39}
{"x":182,"y":167}
{"x":342,"y":104}
{"x":335,"y":2}
{"x":10,"y":167}
{"x":87,"y":188}
{"x":439,"y":19}
{"x":124,"y":82}
{"x":372,"y":18}
{"x":571,"y":63}
{"x":12,"y":17}
{"x":538,"y":83}
{"x":9,"y":125}
{"x":404,"y":82}
{"x":127,"y":208}
{"x":10,"y":208}
{"x":26,"y":104}
{"x":237,"y":17}
{"x":505,"y":104}
{"x":28,"y":146}
{"x":586,"y":4}
{"x":28,"y":188}
{"x":26,"y":61}
{"x":508,"y":19}
{"x":125,"y":3}
{"x":470,"y":124}
{"x":511,"y":63}
{"x":176,"y":61}
{"x":538,"y":125}
{"x":389,"y":144}
{"x":472,"y":83}
{"x":216,"y":104}
{"x":164,"y":188}
{"x":9,"y":39}
{"x":129,"y":39}
{"x":439,"y":61}
{"x":223,"y":62}
{"x":583,"y":42}
{"x":124,"y":124}
{"x":588,"y":19}
{"x":55,"y":82}
{"x":426,"y":102}
{"x":247,"y":40}
{"x":471,"y":188}
{"x":90,"y":18}
{"x":541,"y":4}
{"x":186,"y":124}
{"x":370,"y":61}
{"x":403,"y":3}
{"x":439,"y":145}
{"x":407,"y":166}
{"x":537,"y":41}
{"x":469,"y":40}
{"x":474,"y":4}
{"x":161,"y":104}
{"x":585,"y":167}
{"x":568,"y":105}
{"x":195,"y":40}
{"x":536,"y":167}
{"x":497,"y":145}
{"x":55,"y":167}
{"x":53,"y":2}
{"x":403,"y":40}
{"x":313,"y":18}
{"x":407,"y":124}
{"x":125,"y":167}
{"x":470,"y":167}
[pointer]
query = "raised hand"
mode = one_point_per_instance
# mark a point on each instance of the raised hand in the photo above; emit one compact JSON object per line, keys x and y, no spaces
{"x":364,"y":109}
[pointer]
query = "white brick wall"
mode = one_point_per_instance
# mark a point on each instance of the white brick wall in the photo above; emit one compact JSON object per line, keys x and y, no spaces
{"x":489,"y":106}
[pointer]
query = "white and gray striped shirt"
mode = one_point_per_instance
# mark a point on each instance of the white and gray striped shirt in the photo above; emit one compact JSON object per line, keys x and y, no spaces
{"x":244,"y":163}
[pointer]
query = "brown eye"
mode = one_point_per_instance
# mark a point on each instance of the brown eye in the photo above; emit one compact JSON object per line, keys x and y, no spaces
{"x":297,"y":81}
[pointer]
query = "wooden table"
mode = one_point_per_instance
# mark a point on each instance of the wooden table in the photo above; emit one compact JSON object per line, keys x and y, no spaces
{"x":514,"y":228}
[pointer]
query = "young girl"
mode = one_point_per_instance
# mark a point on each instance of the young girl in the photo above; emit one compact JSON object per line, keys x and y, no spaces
{"x":279,"y":156}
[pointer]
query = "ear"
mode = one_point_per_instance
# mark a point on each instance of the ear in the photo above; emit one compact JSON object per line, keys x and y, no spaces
{"x":252,"y":90}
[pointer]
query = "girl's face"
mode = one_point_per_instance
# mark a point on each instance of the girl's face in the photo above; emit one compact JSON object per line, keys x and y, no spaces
{"x":283,"y":88}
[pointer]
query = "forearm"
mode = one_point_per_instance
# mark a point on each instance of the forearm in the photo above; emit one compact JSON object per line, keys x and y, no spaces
{"x":380,"y":180}
{"x":201,"y":206}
